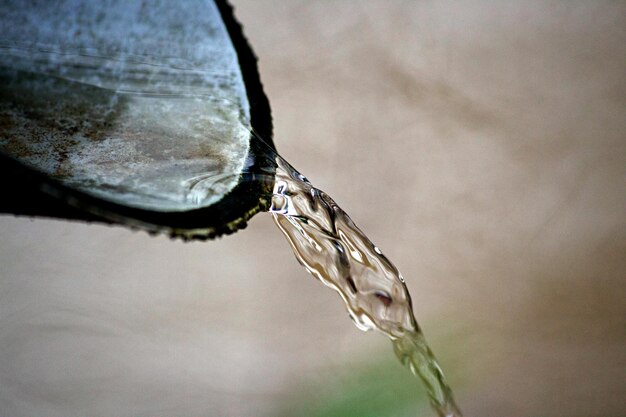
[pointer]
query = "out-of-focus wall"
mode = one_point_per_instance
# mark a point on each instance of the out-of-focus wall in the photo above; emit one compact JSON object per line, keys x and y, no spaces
{"x":481,"y":145}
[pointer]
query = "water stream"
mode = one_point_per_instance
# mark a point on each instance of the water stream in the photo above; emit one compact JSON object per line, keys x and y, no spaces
{"x":335,"y":251}
{"x":324,"y":239}
{"x":130,"y":98}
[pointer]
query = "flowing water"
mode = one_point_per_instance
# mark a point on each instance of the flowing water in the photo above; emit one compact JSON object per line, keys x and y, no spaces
{"x":324,"y":239}
{"x":326,"y":242}
{"x":335,"y":251}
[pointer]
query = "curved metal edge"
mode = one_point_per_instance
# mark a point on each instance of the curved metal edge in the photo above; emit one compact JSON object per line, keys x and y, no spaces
{"x":30,"y":193}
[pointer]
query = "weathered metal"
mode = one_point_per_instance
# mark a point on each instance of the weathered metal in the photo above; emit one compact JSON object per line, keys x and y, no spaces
{"x":139,"y":105}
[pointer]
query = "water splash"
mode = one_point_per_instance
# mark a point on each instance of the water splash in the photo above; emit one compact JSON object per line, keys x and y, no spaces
{"x":335,"y":251}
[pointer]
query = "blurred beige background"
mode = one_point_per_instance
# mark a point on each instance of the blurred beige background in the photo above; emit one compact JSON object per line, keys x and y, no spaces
{"x":481,"y":145}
